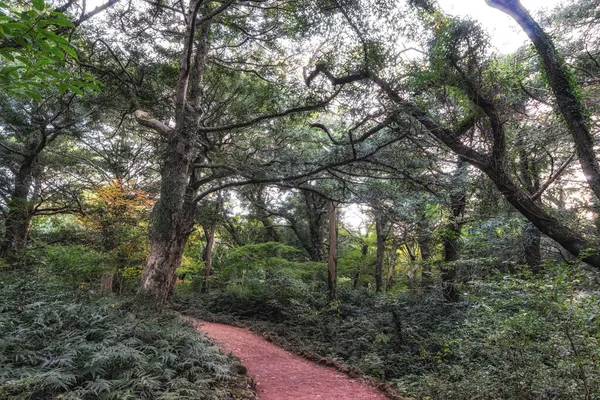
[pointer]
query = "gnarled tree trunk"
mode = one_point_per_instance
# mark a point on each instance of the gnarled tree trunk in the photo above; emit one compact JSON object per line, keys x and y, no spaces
{"x":172,"y":222}
{"x":564,"y":88}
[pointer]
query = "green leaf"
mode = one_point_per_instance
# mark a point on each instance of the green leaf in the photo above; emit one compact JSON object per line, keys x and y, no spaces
{"x":44,"y":46}
{"x":69,"y":50}
{"x":63,"y":22}
{"x":75,"y":89}
{"x":58,"y":52}
{"x":62,"y":88}
{"x":39,"y":4}
{"x":33,"y":94}
{"x":7,"y":55}
{"x":16,"y":25}
{"x":53,"y":36}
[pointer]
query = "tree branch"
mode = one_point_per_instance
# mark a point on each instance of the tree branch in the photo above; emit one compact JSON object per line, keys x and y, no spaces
{"x":143,"y":118}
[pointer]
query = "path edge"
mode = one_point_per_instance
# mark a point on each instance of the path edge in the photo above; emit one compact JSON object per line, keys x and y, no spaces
{"x":386,"y":388}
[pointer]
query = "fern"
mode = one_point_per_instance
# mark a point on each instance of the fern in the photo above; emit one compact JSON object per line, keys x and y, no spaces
{"x":61,"y":344}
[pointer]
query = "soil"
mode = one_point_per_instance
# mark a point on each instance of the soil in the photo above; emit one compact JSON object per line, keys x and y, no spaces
{"x":280,"y":375}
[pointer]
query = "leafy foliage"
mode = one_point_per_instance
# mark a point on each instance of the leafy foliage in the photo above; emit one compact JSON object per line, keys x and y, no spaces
{"x":518,"y":337}
{"x":33,"y":49}
{"x":61,"y":344}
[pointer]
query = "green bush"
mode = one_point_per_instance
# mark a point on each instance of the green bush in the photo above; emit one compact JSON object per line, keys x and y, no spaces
{"x":73,"y":264}
{"x":518,"y":336}
{"x":526,"y":337}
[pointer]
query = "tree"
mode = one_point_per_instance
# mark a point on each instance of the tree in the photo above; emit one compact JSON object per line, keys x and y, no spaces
{"x":456,"y":62}
{"x":332,"y":257}
{"x":28,"y":128}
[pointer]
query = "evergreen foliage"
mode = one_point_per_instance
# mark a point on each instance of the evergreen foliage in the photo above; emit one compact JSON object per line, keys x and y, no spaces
{"x":518,"y":336}
{"x":57,"y":343}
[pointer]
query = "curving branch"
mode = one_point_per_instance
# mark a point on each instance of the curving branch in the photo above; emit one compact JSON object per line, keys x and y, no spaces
{"x":267,"y":117}
{"x":144,"y":119}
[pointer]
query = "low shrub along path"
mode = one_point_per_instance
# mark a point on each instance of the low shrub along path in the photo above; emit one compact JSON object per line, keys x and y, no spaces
{"x":280,"y":375}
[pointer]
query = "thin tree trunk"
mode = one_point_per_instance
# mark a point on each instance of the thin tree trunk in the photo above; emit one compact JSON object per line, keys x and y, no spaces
{"x":207,"y":255}
{"x":332,"y":260}
{"x":314,"y":207}
{"x":380,"y":237}
{"x":389,"y":282}
{"x":106,"y":282}
{"x":210,"y":242}
{"x":363,"y":252}
{"x":531,"y":235}
{"x":452,"y":234}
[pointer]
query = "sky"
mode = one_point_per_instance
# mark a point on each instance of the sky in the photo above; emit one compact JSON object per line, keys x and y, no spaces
{"x":505,"y":33}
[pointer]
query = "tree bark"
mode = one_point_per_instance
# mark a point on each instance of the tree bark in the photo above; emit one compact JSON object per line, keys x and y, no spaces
{"x":564,"y":88}
{"x":18,"y":220}
{"x":314,"y":209}
{"x":172,"y":223}
{"x":173,"y":215}
{"x":332,"y":260}
{"x":364,"y":250}
{"x":210,"y":242}
{"x":530,"y":179}
{"x":381,"y":238}
{"x":452,"y":233}
{"x":207,"y":255}
{"x":495,"y":170}
{"x":389,"y":281}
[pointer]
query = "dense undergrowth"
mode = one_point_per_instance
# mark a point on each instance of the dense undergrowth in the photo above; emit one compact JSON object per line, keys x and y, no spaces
{"x":512,"y":337}
{"x":56,"y":342}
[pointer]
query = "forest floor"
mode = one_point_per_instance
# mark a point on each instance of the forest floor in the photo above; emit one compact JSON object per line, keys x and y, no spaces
{"x":280,"y":375}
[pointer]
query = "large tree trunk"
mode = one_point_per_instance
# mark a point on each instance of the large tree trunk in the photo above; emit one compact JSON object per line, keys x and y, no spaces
{"x":20,"y":212}
{"x":564,"y":88}
{"x":332,"y":260}
{"x":173,"y":215}
{"x":381,"y":238}
{"x":172,"y":223}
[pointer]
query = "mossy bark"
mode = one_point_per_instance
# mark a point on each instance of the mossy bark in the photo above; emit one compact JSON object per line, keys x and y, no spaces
{"x":18,"y":220}
{"x":563,"y":86}
{"x":172,"y":222}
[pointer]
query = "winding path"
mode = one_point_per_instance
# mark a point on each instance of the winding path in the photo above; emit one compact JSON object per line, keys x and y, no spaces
{"x":280,"y":375}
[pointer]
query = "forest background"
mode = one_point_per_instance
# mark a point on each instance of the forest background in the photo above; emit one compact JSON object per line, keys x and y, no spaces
{"x":212,"y":157}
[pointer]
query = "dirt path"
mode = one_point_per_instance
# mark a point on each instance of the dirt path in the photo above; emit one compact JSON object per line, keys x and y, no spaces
{"x":280,"y":375}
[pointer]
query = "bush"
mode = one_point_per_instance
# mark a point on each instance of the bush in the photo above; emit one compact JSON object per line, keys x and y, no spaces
{"x":518,"y":336}
{"x":526,"y":337}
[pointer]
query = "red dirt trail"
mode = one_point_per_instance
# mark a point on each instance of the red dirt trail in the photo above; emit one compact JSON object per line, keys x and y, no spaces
{"x":280,"y":375}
